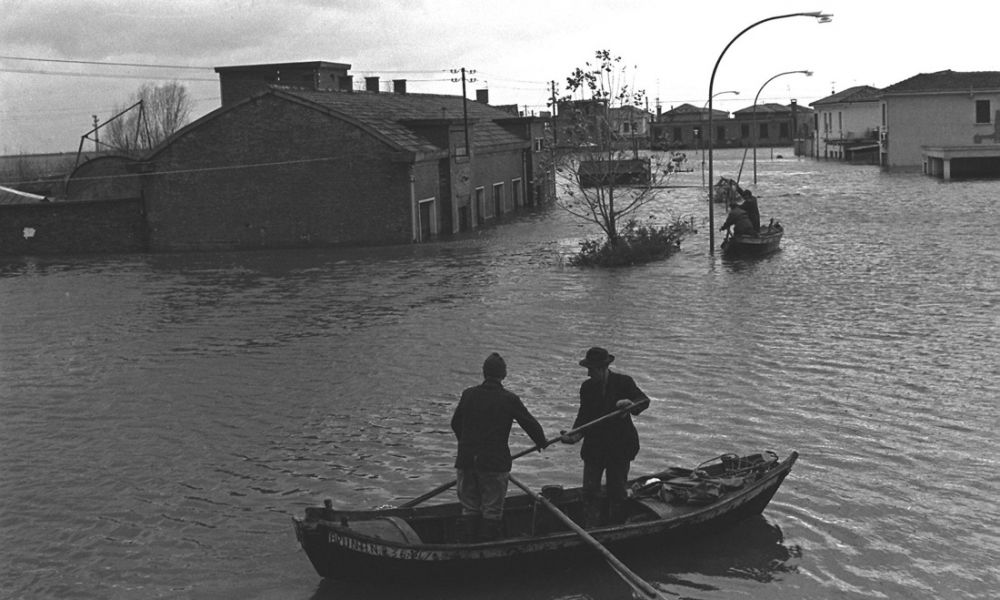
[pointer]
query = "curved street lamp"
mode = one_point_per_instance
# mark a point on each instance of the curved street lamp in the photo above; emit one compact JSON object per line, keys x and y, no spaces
{"x":756,"y":134}
{"x":702,"y":136}
{"x":821,"y":17}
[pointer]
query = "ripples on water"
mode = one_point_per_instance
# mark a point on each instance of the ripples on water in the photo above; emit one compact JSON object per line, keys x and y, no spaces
{"x":164,"y":416}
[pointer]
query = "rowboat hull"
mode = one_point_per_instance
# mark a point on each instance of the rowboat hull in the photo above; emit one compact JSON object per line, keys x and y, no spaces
{"x":420,"y":542}
{"x":768,"y":241}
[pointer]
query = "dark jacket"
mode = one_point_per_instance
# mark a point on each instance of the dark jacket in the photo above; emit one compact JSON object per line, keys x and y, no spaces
{"x":740,"y":221}
{"x":482,"y":423}
{"x":752,"y":210}
{"x":615,"y":437}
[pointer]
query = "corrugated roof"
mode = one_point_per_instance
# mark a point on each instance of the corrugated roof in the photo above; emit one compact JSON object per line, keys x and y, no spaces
{"x":947,"y":81}
{"x":389,"y":113}
{"x":858,"y":93}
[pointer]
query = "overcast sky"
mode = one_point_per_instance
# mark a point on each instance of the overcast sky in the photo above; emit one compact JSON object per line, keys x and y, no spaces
{"x":516,"y":48}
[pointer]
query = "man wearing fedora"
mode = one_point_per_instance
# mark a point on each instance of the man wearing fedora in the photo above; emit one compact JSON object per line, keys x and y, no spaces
{"x":608,"y":448}
{"x":482,"y":422}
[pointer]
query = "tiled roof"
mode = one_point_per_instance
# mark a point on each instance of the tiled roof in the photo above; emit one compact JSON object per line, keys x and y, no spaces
{"x":388,"y":114}
{"x":687,"y":110}
{"x":947,"y":81}
{"x":770,"y":108}
{"x":858,"y":93}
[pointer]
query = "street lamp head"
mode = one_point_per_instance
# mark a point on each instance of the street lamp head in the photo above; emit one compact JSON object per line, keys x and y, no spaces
{"x":808,"y":73}
{"x":819,"y":15}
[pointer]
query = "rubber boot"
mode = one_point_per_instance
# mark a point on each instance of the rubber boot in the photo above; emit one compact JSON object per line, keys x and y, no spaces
{"x":492,"y":530}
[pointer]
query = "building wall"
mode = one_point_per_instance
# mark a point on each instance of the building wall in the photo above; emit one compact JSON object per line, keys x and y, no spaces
{"x":851,"y":120}
{"x":72,"y":228}
{"x":504,"y":167}
{"x":273,"y":173}
{"x":931,"y":120}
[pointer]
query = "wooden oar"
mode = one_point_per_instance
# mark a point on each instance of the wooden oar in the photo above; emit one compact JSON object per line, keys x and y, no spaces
{"x":640,"y":586}
{"x":578,"y":430}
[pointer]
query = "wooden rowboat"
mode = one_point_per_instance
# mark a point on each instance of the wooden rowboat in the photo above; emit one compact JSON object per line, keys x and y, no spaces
{"x":669,"y":507}
{"x":766,"y":241}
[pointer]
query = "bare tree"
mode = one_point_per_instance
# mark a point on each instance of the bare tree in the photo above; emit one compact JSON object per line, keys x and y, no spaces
{"x":153,"y":113}
{"x":604,"y":179}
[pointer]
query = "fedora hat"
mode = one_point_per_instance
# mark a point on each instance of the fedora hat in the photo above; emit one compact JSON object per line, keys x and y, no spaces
{"x":597,"y":357}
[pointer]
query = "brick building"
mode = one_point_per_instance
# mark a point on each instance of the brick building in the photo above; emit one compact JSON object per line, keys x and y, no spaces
{"x":311,"y":162}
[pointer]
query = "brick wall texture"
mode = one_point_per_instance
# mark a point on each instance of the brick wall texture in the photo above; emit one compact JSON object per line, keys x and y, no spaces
{"x":274,"y":174}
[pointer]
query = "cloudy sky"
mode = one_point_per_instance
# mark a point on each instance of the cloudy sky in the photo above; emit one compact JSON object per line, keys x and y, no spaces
{"x":57,"y":71}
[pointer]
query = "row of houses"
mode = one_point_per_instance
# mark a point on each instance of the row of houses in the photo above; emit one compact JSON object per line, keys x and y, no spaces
{"x":944,"y":124}
{"x":295,"y":158}
{"x":764,"y":125}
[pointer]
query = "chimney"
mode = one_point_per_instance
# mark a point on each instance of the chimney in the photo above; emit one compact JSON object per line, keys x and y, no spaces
{"x":399,"y":86}
{"x":483,"y":96}
{"x":371,"y":84}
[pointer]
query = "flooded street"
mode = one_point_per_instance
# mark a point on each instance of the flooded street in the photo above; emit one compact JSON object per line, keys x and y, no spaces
{"x":164,"y":416}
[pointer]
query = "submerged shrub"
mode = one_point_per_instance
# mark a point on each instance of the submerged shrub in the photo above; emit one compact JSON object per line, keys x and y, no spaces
{"x":637,"y":243}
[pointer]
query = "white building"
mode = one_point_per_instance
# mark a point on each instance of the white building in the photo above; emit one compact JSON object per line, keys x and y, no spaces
{"x":946,"y":124}
{"x":847,"y":125}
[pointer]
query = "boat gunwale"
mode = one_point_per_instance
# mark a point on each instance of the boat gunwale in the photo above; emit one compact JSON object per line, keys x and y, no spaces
{"x":561,"y":539}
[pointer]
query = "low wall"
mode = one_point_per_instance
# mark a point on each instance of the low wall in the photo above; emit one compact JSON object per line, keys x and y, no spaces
{"x":104,"y":226}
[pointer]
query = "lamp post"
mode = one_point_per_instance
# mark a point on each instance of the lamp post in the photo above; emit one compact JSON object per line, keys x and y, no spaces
{"x":756,"y":134}
{"x":702,"y":136}
{"x":819,"y":16}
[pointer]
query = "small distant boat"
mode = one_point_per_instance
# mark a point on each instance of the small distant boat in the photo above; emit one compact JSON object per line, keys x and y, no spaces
{"x":764,"y":242}
{"x":676,"y":505}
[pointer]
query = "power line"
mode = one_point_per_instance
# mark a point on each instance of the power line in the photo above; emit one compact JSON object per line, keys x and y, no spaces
{"x":94,"y":62}
{"x":105,"y":75}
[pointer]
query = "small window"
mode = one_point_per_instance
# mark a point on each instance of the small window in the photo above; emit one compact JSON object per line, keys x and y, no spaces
{"x":783,"y":130}
{"x":983,"y":111}
{"x":763,"y":131}
{"x":744,"y":131}
{"x":539,"y":144}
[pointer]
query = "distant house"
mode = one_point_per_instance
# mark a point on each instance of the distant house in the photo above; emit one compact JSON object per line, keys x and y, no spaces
{"x":847,"y":125}
{"x":772,"y":124}
{"x":684,"y":126}
{"x":947,"y":124}
{"x":631,"y":124}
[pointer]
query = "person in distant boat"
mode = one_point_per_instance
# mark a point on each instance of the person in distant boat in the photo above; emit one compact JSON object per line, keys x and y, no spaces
{"x":482,"y":422}
{"x":610,"y":447}
{"x":753,"y":211}
{"x":739,"y":219}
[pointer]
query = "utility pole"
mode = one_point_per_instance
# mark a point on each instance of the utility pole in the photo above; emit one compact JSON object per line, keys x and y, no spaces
{"x":555,"y":128}
{"x":97,"y":134}
{"x":465,"y":105}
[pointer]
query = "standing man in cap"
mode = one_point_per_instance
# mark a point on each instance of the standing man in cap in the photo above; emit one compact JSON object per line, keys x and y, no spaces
{"x":609,"y":448}
{"x":482,"y":424}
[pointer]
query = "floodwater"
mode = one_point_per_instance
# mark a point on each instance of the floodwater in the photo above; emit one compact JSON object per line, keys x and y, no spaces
{"x":163,"y":417}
